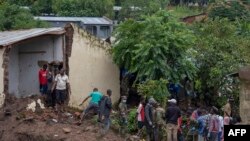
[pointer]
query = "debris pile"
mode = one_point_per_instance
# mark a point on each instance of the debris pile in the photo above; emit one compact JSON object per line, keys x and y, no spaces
{"x":28,"y":119}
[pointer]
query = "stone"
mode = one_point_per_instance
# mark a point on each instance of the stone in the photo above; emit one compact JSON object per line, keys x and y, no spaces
{"x":89,"y":128}
{"x":7,"y":112}
{"x":134,"y":138}
{"x":54,"y":120}
{"x":40,"y":104}
{"x":68,"y":114}
{"x":66,"y":130}
{"x":77,"y":114}
{"x":29,"y":119}
{"x":31,"y":106}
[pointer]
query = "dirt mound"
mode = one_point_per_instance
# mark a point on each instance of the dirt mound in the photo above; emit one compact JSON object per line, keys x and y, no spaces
{"x":18,"y":124}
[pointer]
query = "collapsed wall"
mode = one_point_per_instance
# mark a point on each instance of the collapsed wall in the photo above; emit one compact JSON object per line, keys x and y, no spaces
{"x":90,"y":65}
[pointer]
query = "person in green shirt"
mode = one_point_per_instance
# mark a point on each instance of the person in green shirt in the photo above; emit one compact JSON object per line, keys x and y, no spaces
{"x":93,"y":104}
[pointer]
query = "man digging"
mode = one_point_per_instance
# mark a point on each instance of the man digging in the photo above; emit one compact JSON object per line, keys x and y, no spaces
{"x":93,"y":104}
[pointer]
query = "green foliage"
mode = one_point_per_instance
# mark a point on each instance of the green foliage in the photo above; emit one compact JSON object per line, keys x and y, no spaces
{"x":231,"y":10}
{"x":40,"y":7}
{"x":132,"y":124}
{"x":183,"y":11}
{"x":156,"y":88}
{"x":115,"y":122}
{"x":14,"y":17}
{"x":243,"y":28}
{"x":154,"y":48}
{"x":20,"y":2}
{"x":220,"y":51}
{"x":68,"y":7}
{"x":136,"y":8}
{"x":83,"y":8}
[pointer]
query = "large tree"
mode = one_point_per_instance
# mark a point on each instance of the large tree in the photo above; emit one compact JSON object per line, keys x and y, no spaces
{"x":221,"y":48}
{"x":154,"y":48}
{"x":14,"y":17}
{"x":83,"y":8}
{"x":40,"y":7}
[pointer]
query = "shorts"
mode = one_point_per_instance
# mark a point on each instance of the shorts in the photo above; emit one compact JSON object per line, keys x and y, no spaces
{"x":60,"y":96}
{"x":43,"y":89}
{"x":140,"y":124}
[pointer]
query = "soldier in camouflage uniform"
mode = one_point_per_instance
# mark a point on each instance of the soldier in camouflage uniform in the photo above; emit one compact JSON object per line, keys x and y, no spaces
{"x":159,"y":122}
{"x":123,"y":110}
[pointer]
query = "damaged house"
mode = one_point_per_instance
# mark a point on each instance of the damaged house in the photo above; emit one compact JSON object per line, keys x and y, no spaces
{"x":84,"y":56}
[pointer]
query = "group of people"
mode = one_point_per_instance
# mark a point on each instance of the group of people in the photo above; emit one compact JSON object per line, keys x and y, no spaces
{"x":207,"y":124}
{"x":202,"y":124}
{"x":154,"y":117}
{"x":54,"y":86}
{"x":149,"y":114}
{"x":211,"y":124}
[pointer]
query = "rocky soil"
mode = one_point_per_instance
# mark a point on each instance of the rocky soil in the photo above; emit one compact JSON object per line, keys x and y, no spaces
{"x":19,"y":124}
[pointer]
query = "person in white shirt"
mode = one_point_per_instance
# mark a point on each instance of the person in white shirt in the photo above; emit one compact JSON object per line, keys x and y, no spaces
{"x":220,"y":135}
{"x":61,"y":85}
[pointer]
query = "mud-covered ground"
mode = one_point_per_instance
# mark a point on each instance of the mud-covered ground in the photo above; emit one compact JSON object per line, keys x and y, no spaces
{"x":18,"y":124}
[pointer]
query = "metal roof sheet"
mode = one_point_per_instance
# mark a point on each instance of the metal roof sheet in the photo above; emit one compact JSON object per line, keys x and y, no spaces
{"x":10,"y":37}
{"x":85,"y":20}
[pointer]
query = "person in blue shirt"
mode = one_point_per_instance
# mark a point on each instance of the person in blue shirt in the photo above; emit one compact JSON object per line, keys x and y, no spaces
{"x":94,"y":102}
{"x":201,"y":125}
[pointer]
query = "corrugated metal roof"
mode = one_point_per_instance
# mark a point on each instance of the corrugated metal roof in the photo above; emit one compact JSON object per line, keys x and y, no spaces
{"x":10,"y":37}
{"x":85,"y":20}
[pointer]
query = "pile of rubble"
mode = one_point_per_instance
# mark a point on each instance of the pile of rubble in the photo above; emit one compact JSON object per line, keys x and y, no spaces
{"x":28,"y":119}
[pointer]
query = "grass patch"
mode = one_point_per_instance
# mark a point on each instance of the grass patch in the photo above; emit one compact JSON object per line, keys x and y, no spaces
{"x":183,"y":11}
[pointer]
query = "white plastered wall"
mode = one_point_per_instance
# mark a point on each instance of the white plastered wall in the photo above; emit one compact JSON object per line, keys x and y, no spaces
{"x":91,"y":66}
{"x":2,"y":95}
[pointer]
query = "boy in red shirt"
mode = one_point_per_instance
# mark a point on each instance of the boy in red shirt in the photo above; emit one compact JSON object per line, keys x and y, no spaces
{"x":43,"y":80}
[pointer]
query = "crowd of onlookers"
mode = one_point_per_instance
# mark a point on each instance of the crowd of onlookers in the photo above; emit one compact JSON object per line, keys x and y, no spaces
{"x":161,"y":124}
{"x":201,"y":124}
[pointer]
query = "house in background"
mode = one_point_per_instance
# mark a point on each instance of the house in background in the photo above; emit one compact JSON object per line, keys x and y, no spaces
{"x":100,"y":27}
{"x":85,"y":57}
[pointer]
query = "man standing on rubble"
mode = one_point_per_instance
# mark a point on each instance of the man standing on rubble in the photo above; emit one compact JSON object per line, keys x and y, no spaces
{"x":93,"y":104}
{"x":61,"y":85}
{"x":104,"y":112}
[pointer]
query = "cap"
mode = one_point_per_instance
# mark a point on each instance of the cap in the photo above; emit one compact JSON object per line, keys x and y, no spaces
{"x":172,"y":101}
